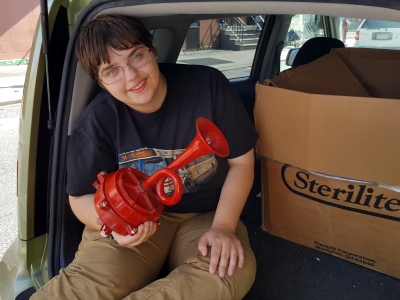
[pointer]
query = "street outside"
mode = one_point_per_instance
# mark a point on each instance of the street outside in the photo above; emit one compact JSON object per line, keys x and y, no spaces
{"x":9,"y":118}
{"x":11,"y":86}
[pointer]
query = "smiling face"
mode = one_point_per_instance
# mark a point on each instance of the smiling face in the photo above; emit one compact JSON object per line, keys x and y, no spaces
{"x":142,"y":89}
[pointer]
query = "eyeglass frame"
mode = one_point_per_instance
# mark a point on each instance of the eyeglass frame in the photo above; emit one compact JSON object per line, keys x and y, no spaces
{"x":128,"y":64}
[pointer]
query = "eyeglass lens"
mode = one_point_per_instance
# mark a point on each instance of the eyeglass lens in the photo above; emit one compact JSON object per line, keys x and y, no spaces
{"x":136,"y":61}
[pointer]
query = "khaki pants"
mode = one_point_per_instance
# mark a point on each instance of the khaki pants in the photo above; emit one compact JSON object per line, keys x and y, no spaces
{"x":102,"y":269}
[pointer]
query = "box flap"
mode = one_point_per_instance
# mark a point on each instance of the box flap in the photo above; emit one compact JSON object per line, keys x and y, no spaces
{"x":326,"y":75}
{"x":378,"y":70}
{"x":351,"y":137}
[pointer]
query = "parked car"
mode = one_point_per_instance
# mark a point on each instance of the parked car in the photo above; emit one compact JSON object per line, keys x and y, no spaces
{"x":49,"y":233}
{"x":378,"y":34}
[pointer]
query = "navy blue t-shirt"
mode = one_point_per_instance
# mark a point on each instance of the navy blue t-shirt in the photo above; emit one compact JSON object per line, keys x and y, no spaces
{"x":110,"y":135}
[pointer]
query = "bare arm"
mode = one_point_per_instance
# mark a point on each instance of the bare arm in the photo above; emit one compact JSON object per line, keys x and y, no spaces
{"x":235,"y":191}
{"x":226,"y":249}
{"x":83,"y":208}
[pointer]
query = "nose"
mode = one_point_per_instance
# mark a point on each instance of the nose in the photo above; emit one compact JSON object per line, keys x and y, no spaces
{"x":130,"y":73}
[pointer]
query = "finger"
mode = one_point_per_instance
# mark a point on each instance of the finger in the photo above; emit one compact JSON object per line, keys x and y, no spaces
{"x":233,"y":259}
{"x":139,"y":233}
{"x":143,"y":232}
{"x":202,"y":246}
{"x":153,"y":228}
{"x":224,"y":259}
{"x":126,"y":240}
{"x":135,"y":240}
{"x":146,"y":227}
{"x":146,"y":230}
{"x":241,"y":256}
{"x":215,"y":256}
{"x":150,"y":228}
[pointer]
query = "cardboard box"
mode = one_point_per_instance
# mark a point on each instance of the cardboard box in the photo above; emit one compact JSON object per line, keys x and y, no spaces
{"x":352,"y":137}
{"x":353,"y":220}
{"x":327,"y":75}
{"x":331,"y":173}
{"x":378,"y":70}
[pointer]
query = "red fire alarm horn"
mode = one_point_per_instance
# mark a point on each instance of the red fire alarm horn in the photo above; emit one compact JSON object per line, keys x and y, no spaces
{"x":127,"y":197}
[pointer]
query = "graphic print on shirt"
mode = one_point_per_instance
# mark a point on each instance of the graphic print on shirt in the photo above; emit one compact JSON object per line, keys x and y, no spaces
{"x":149,"y":160}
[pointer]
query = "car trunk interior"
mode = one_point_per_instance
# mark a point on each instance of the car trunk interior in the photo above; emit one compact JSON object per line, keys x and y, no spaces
{"x":285,"y":270}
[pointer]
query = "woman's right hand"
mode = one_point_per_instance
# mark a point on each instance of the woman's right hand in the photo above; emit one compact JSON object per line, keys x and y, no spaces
{"x":145,"y":231}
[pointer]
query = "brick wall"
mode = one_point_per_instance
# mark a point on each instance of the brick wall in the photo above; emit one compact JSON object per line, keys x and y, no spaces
{"x":18,"y":19}
{"x":209,"y":34}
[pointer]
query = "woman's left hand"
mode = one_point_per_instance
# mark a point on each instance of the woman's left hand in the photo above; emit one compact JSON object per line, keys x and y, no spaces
{"x":226,"y":250}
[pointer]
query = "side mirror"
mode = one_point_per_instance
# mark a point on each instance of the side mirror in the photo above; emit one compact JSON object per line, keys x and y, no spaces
{"x":291,"y":55}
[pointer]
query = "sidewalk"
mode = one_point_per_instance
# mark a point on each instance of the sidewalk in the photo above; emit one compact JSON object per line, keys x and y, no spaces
{"x":12,"y":80}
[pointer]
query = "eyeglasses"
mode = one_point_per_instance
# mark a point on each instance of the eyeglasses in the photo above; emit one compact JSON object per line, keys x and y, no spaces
{"x":136,"y":61}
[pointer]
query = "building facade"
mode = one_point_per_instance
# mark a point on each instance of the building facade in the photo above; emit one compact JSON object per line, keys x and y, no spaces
{"x":18,"y":20}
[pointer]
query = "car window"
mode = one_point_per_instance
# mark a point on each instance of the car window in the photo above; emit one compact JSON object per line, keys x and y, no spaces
{"x":226,"y":44}
{"x":346,"y":28}
{"x":301,"y":29}
{"x":375,"y":34}
{"x":377,"y":24}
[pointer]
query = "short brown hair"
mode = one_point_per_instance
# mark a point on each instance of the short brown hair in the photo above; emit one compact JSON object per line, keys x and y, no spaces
{"x":97,"y":36}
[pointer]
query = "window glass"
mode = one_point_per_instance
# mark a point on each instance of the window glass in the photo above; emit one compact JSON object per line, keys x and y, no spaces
{"x":377,"y":24}
{"x":346,"y":28}
{"x":301,"y":29}
{"x":375,"y":34}
{"x":226,"y":44}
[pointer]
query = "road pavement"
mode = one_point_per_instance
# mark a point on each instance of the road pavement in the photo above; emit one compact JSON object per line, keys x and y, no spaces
{"x":12,"y":80}
{"x":9,"y":121}
{"x":11,"y":88}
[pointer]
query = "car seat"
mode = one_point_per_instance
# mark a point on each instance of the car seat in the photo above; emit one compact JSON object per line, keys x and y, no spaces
{"x":315,"y":48}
